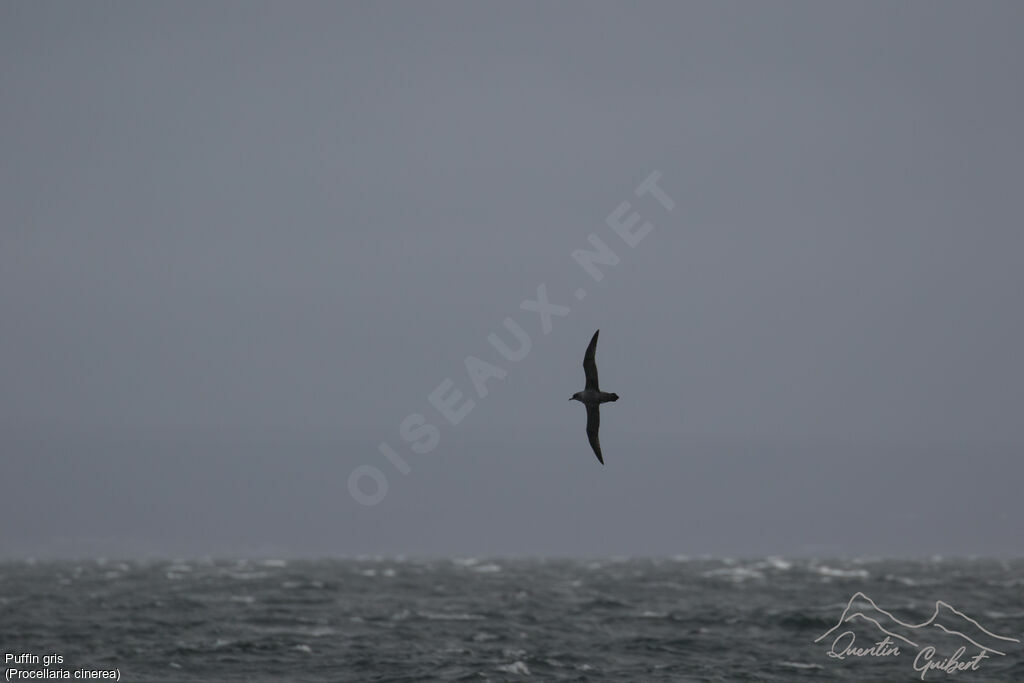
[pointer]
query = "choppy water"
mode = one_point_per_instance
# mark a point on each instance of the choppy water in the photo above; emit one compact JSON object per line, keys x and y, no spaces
{"x":417,"y":620}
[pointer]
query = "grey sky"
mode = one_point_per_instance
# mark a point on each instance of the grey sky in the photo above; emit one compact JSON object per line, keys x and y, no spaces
{"x":241,"y":242}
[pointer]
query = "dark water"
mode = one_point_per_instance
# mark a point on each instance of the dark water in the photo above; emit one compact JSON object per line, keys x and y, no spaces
{"x":476,"y":620}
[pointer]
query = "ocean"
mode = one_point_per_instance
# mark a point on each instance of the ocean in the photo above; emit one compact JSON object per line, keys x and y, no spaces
{"x":478,"y":619}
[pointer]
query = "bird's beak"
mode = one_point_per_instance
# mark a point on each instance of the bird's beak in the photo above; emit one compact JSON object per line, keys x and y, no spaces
{"x":571,"y":397}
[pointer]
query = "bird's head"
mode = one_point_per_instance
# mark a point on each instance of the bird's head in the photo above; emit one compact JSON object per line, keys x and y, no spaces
{"x":575,"y":397}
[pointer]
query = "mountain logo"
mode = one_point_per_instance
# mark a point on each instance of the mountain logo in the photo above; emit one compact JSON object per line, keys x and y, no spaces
{"x":946,"y":630}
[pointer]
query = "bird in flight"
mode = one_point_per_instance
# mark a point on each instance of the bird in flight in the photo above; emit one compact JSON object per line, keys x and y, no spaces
{"x":592,"y":397}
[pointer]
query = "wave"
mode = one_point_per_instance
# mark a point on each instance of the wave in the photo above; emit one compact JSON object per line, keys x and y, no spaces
{"x":450,"y":616}
{"x":516,"y":667}
{"x":800,"y":665}
{"x":735,"y":574}
{"x":832,"y":573}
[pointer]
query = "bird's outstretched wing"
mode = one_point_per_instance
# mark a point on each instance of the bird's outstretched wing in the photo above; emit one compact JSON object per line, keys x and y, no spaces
{"x":590,"y":368}
{"x":593,"y":425}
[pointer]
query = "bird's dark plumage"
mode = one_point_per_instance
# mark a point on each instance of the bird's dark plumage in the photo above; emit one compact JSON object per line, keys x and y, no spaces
{"x":590,"y":364}
{"x":593,"y":425}
{"x":592,"y":397}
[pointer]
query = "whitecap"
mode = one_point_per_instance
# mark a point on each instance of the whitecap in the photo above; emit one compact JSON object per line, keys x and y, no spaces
{"x":995,"y":614}
{"x":902,"y":580}
{"x":465,"y":561}
{"x":278,"y":564}
{"x":516,"y":667}
{"x":800,"y":665}
{"x":321,"y":631}
{"x":389,"y":572}
{"x":735,"y":574}
{"x":483,"y":637}
{"x":489,"y":568}
{"x":302,"y":647}
{"x":842,"y":573}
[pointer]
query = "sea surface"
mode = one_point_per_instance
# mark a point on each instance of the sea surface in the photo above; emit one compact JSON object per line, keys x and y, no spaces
{"x":477,"y":619}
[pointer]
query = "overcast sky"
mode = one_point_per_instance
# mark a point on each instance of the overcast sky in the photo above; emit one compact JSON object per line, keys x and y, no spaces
{"x":242,"y":242}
